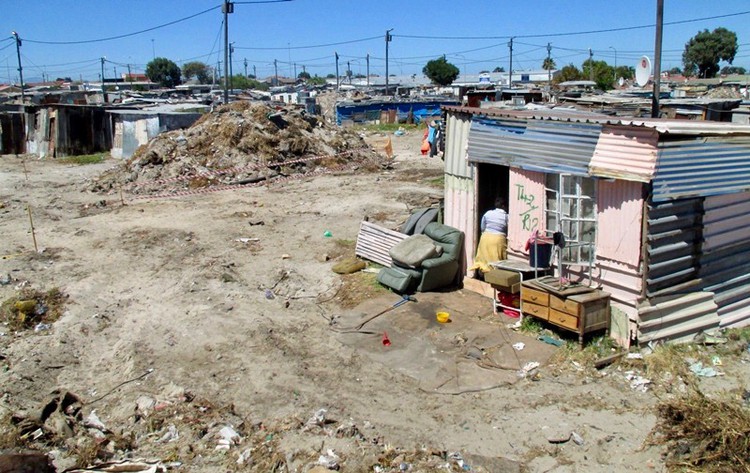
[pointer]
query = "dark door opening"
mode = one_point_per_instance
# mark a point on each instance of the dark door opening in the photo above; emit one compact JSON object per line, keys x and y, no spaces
{"x":492,"y":182}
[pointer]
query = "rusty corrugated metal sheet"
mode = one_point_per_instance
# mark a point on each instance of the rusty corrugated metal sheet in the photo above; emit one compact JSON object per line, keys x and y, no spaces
{"x":460,"y":212}
{"x":525,"y":206}
{"x":701,"y":167}
{"x":625,"y":153}
{"x":456,"y":138}
{"x":619,"y":206}
{"x":538,"y":146}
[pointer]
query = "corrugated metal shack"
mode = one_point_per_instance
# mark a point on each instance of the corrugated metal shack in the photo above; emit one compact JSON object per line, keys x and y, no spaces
{"x":657,"y":210}
{"x":66,"y":130}
{"x":133,"y":128}
{"x":386,"y":111}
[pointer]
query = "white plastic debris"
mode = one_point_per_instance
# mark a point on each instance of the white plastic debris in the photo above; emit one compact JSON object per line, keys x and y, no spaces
{"x":634,"y":356}
{"x":227,"y":437}
{"x":528,"y":368}
{"x":319,"y":418}
{"x":519,"y":346}
{"x":246,"y":240}
{"x":170,"y":435}
{"x":93,"y":421}
{"x":330,"y":460}
{"x":637,"y":382}
{"x":243,"y":457}
{"x":576,"y":438}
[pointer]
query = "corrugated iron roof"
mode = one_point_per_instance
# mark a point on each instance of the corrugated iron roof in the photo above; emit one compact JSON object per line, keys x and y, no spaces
{"x":662,"y":125}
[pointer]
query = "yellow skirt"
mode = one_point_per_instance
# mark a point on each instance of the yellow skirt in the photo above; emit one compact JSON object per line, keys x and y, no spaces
{"x":492,"y":247}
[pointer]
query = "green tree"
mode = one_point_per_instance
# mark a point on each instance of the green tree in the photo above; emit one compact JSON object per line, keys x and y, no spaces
{"x":626,"y":72}
{"x":569,"y":72}
{"x":603,"y":73}
{"x":704,"y":51}
{"x":304,"y":75}
{"x":317,"y":80}
{"x":331,"y":76}
{"x":727,"y":70}
{"x":549,"y":64}
{"x":440,"y":71}
{"x":675,"y":71}
{"x":163,"y":71}
{"x":196,"y":69}
{"x":498,"y":69}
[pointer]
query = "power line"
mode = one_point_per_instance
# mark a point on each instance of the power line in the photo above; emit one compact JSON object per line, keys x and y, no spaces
{"x":573,"y":33}
{"x":312,"y":46}
{"x":99,"y":40}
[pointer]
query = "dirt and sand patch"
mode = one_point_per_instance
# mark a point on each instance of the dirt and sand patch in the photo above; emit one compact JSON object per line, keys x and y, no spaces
{"x":187,"y":316}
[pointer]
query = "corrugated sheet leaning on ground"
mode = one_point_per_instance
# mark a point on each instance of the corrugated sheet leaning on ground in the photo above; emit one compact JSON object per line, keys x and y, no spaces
{"x":539,"y":146}
{"x":625,"y":153}
{"x":375,"y":242}
{"x":725,"y":260}
{"x":702,"y":167}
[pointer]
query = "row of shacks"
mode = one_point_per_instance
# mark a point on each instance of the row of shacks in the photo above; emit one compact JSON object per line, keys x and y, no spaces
{"x":654,"y":211}
{"x":58,"y":130}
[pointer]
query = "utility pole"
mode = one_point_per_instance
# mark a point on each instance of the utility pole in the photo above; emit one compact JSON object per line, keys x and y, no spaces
{"x":226,"y":8}
{"x":614,"y":73}
{"x":657,"y":59}
{"x":349,"y":71}
{"x":337,"y":70}
{"x":591,"y":65}
{"x":388,"y":38}
{"x":231,"y":72}
{"x":130,"y":77}
{"x":254,"y":73}
{"x":368,"y":69}
{"x":102,"y":59}
{"x":295,"y":71}
{"x":20,"y":67}
{"x":275,"y":73}
{"x":245,"y":68}
{"x":549,"y":64}
{"x":510,"y":67}
{"x":115,"y":69}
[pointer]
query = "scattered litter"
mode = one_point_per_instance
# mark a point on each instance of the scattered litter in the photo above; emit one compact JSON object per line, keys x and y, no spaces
{"x":558,"y":436}
{"x":269,"y":294}
{"x":550,"y":340}
{"x":514,"y":326}
{"x":634,"y":356}
{"x":528,"y":368}
{"x":40,"y":327}
{"x":285,"y":256}
{"x":456,"y":457}
{"x":637,"y":382}
{"x":403,"y":466}
{"x":576,"y":438}
{"x":227,"y":437}
{"x":330,"y":460}
{"x":399,"y":132}
{"x":386,"y":340}
{"x":707,"y":339}
{"x":170,"y":435}
{"x":132,"y":466}
{"x":371,"y":270}
{"x":716,"y":361}
{"x":247,"y":240}
{"x":93,"y":421}
{"x":319,"y":418}
{"x":327,"y":234}
{"x":704,"y":371}
{"x":244,"y":456}
{"x":519,"y":346}
{"x":5,"y":279}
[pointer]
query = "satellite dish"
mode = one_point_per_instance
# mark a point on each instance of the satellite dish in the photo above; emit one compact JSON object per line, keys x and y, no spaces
{"x":643,"y":71}
{"x":621,"y":81}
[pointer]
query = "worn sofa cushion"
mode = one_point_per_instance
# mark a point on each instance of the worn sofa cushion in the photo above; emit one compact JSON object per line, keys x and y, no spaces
{"x":413,"y":250}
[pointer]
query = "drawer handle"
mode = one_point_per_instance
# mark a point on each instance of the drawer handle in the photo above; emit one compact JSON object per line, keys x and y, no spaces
{"x":533,"y":298}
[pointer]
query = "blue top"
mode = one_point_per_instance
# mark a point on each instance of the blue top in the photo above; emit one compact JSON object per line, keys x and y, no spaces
{"x":495,"y":221}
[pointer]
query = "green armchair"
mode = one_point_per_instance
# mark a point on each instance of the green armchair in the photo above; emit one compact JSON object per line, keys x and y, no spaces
{"x":431,"y":273}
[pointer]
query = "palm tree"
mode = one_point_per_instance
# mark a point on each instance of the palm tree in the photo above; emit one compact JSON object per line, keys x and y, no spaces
{"x":549,"y":64}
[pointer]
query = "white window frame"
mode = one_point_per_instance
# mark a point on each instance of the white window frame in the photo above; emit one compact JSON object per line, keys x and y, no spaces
{"x":570,"y":193}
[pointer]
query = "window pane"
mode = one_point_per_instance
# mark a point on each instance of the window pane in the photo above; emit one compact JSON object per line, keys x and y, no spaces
{"x":569,"y":185}
{"x":586,"y":253}
{"x":552,"y":181}
{"x":588,"y":209}
{"x":587,"y":186}
{"x":588,"y":231}
{"x":551,"y":200}
{"x":568,"y":207}
{"x":552,"y":221}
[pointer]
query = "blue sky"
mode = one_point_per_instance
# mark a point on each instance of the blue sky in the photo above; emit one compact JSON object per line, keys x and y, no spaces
{"x":303,"y":32}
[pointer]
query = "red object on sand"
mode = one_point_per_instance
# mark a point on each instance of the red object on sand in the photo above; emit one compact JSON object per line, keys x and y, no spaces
{"x":386,"y":340}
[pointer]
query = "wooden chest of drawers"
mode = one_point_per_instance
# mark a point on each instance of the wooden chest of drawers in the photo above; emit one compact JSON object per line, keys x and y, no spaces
{"x":579,"y":313}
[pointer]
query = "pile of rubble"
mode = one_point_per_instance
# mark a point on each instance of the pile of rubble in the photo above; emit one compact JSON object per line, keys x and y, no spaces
{"x":239,"y":144}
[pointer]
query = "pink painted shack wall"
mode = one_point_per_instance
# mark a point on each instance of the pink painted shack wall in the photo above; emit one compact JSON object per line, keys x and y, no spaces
{"x":525,"y":207}
{"x":619,"y":221}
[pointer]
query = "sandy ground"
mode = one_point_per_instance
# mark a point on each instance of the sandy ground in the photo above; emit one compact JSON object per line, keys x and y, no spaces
{"x":165,"y":297}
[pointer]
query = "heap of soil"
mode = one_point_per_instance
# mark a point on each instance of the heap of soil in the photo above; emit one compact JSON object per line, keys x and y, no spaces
{"x":240,"y":143}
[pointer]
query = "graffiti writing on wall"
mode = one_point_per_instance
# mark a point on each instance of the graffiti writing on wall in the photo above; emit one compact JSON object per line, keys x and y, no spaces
{"x":528,"y":221}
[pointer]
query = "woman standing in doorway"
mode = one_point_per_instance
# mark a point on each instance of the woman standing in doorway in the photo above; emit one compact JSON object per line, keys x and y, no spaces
{"x":493,"y":243}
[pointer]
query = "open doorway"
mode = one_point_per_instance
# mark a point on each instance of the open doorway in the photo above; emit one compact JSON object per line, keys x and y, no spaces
{"x":492,"y":182}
